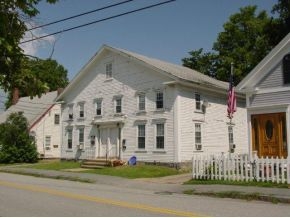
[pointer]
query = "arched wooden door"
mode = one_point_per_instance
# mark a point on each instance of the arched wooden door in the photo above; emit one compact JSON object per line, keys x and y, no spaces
{"x":269,"y":134}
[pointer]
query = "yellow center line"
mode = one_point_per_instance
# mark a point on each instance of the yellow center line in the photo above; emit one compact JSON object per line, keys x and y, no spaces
{"x":97,"y":199}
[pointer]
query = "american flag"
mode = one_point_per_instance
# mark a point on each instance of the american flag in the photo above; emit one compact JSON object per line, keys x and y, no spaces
{"x":232,"y":102}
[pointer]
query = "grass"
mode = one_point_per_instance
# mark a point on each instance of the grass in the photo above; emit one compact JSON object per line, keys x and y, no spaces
{"x":132,"y":172}
{"x":54,"y":165}
{"x":137,"y":171}
{"x":239,"y":195}
{"x":240,"y":183}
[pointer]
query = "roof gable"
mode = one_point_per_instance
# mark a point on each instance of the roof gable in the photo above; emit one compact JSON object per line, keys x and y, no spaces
{"x":173,"y":71}
{"x":32,"y":108}
{"x":266,"y":65}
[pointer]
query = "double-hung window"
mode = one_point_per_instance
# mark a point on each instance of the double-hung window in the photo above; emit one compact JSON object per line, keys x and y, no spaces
{"x":141,"y":102}
{"x":81,"y":110}
{"x":160,"y":136}
{"x":47,"y":142}
{"x":141,"y":136}
{"x":198,"y":140}
{"x":81,"y":136}
{"x":69,"y":138}
{"x":197,"y":102}
{"x":231,"y":135}
{"x":109,"y":70}
{"x":56,"y":119}
{"x":118,"y":104}
{"x":70,"y":112}
{"x":159,"y":100}
{"x":99,"y":107}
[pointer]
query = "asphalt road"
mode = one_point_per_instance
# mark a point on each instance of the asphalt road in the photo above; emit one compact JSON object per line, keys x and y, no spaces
{"x":31,"y":196}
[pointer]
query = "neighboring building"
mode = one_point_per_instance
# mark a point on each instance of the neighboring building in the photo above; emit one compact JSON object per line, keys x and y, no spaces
{"x":43,"y":117}
{"x":123,"y":104}
{"x":267,"y":89}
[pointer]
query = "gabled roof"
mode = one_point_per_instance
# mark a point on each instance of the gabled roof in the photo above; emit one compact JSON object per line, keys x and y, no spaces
{"x":271,"y":60}
{"x":174,"y":71}
{"x":32,"y":109}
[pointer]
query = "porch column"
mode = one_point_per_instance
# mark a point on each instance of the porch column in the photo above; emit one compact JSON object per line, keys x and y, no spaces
{"x":288,"y":130}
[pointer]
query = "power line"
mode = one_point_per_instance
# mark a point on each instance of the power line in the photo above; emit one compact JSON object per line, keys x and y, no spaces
{"x":97,"y":21}
{"x":82,"y":14}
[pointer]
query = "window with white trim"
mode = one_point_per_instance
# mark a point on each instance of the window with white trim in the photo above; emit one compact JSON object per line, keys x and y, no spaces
{"x":69,"y":138}
{"x":231,"y":135}
{"x":81,"y":135}
{"x":47,"y":142}
{"x":197,"y":101}
{"x":118,"y":105}
{"x":70,"y":112}
{"x":160,"y":135}
{"x":109,"y":70}
{"x":56,"y":119}
{"x":198,"y":140}
{"x":98,"y":107}
{"x":81,"y":110}
{"x":159,"y":100}
{"x":141,"y":136}
{"x":141,"y":102}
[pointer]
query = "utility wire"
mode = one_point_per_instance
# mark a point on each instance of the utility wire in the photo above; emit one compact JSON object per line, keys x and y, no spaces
{"x":82,"y":14}
{"x":97,"y":21}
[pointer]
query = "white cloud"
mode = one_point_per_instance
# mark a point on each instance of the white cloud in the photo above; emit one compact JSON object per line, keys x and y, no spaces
{"x":31,"y":48}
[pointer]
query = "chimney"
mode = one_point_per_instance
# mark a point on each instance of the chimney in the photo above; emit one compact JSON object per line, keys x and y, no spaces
{"x":15,"y":96}
{"x":59,"y":91}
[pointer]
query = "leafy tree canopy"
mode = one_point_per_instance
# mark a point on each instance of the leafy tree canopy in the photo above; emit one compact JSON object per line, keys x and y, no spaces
{"x":247,"y":38}
{"x":48,"y":72}
{"x":13,"y":15}
{"x":16,"y":146}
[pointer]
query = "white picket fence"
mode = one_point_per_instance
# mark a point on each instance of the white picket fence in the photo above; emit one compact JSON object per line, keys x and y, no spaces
{"x":241,"y":168}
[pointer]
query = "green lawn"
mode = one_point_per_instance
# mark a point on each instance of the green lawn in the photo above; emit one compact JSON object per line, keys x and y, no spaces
{"x":241,"y":183}
{"x":54,"y":165}
{"x":137,"y":171}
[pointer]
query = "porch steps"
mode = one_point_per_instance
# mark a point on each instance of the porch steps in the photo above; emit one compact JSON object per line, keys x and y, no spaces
{"x":96,"y":163}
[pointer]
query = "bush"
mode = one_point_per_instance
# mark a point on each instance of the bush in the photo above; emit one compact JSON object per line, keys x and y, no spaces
{"x":16,"y":146}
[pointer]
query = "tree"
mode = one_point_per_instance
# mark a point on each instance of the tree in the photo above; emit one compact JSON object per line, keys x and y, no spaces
{"x":16,"y":146}
{"x":247,"y":38}
{"x":51,"y":74}
{"x":13,"y":15}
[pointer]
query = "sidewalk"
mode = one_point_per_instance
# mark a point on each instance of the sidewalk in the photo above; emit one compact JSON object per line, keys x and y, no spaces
{"x":168,"y":185}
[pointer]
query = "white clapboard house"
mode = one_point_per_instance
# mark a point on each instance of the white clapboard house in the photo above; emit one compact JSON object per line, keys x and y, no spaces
{"x":43,"y":116}
{"x":122,"y":104}
{"x":267,"y":89}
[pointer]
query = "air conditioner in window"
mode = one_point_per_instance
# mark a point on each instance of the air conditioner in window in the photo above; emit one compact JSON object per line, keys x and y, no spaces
{"x":198,"y":147}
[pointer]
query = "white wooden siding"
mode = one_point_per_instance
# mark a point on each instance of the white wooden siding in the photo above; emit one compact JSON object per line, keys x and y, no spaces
{"x":267,"y":99}
{"x":46,"y":127}
{"x":274,"y":78}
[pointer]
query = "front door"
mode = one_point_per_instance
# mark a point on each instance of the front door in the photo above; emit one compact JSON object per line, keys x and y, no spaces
{"x":108,"y":142}
{"x":269,"y":135}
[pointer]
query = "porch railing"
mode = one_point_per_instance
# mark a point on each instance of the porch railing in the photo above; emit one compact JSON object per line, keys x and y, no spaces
{"x":241,"y":168}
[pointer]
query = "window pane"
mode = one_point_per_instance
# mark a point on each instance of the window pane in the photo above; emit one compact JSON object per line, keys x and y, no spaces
{"x":56,"y":118}
{"x":109,"y":70}
{"x":197,"y":133}
{"x":81,"y":136}
{"x":159,"y":100}
{"x":69,"y":139}
{"x":99,"y":107}
{"x":82,"y":110}
{"x":141,"y":102}
{"x":47,"y":141}
{"x":160,"y":129}
{"x":118,"y":105}
{"x":160,"y":142}
{"x":197,"y":102}
{"x":160,"y":136}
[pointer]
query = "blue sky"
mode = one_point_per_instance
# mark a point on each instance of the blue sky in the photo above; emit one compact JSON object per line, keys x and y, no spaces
{"x":167,"y":32}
